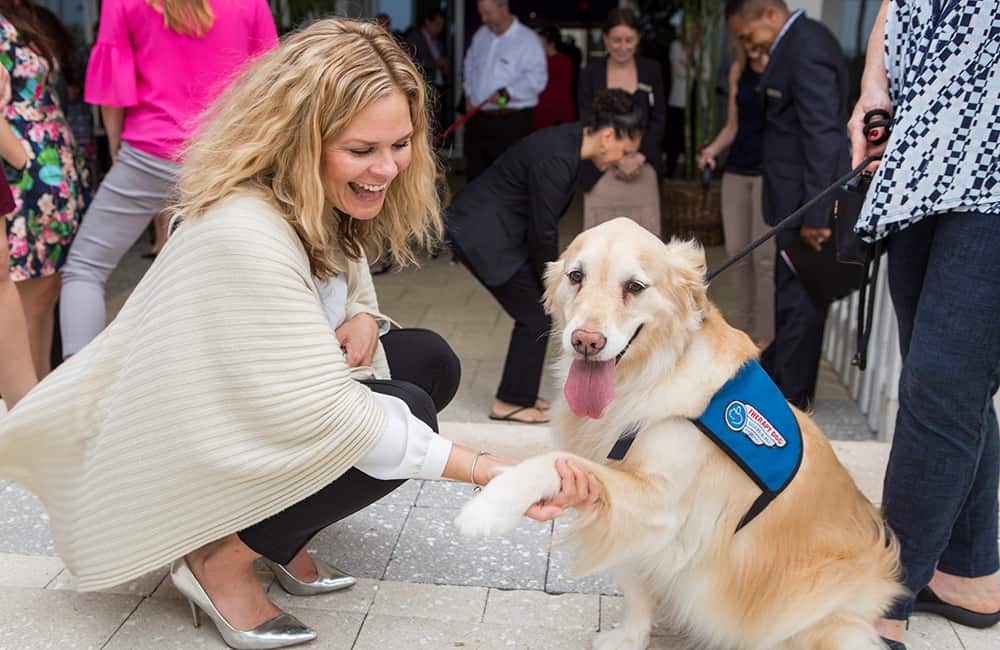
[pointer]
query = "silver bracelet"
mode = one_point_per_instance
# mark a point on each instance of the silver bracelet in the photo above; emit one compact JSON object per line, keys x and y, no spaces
{"x":472,"y":471}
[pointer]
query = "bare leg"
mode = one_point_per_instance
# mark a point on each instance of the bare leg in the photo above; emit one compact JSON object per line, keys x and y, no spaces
{"x":891,"y":628}
{"x":17,"y":371}
{"x":302,"y":567}
{"x":38,"y":297}
{"x":980,"y":595}
{"x":161,"y":230}
{"x":225,"y":571}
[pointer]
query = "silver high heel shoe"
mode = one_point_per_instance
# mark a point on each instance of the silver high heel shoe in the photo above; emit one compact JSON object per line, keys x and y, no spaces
{"x":329,"y":578}
{"x":280,"y":632}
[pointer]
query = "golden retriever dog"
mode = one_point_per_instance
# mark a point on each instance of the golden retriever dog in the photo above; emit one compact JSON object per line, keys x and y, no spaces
{"x":642,"y":344}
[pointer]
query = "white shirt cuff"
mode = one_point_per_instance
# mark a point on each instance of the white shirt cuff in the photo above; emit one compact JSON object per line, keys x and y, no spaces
{"x":408,"y":448}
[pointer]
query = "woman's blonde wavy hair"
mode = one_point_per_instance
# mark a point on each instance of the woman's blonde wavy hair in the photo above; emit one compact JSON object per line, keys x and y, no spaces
{"x":265,"y":135}
{"x":187,"y":17}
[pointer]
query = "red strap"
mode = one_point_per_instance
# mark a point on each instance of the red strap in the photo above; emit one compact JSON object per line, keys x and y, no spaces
{"x":462,"y":120}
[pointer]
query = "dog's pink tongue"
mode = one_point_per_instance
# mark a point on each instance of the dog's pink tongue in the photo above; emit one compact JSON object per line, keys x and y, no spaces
{"x":590,"y":387}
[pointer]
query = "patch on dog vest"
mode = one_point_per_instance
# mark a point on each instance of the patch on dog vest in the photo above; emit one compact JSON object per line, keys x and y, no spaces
{"x":751,"y":421}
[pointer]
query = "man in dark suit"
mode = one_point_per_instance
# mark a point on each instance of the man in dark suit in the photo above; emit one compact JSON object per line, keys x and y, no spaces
{"x":804,"y":89}
{"x":426,"y":48}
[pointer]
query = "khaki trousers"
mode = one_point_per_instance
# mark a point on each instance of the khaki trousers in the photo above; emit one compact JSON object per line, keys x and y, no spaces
{"x":612,"y":197}
{"x":752,"y":277}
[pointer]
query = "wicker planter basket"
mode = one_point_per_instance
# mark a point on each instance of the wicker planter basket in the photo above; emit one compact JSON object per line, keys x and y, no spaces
{"x":689,"y":212}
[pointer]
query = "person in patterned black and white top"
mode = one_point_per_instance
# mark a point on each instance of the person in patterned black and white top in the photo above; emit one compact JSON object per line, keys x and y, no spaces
{"x":935,"y":200}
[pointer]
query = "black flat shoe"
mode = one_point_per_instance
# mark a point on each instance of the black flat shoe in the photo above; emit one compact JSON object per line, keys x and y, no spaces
{"x":928,"y":601}
{"x":893,"y":645}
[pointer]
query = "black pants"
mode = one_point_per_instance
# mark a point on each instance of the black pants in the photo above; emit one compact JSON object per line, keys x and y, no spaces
{"x":521,"y":298}
{"x":489,"y":134}
{"x":792,"y":359}
{"x":673,"y":138}
{"x":425,"y":374}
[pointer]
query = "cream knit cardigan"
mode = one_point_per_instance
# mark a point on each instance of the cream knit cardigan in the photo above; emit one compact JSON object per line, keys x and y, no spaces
{"x":219,"y":396}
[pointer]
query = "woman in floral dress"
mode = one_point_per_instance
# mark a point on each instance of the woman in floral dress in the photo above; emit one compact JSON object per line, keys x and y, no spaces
{"x":49,"y":182}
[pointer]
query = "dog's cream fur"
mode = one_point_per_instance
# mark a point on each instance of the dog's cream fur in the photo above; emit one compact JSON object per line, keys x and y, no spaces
{"x":814,"y":570}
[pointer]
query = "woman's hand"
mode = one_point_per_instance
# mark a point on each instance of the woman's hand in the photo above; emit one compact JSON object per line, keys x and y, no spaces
{"x":874,"y":92}
{"x":358,"y":339}
{"x":628,"y":167}
{"x":875,"y":97}
{"x":706,"y":158}
{"x":578,"y":490}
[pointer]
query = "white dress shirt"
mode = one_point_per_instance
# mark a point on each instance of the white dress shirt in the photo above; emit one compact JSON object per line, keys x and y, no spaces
{"x":513,"y":60}
{"x":408,"y":447}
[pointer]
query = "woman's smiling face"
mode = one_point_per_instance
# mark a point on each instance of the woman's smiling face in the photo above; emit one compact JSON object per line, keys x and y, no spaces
{"x":358,"y":165}
{"x":621,"y":42}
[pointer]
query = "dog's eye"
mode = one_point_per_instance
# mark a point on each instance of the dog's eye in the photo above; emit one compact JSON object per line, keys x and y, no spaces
{"x":634,"y":287}
{"x":575,"y":276}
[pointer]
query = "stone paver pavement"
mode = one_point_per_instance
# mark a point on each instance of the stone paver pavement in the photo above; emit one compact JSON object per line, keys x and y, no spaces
{"x":420,"y":584}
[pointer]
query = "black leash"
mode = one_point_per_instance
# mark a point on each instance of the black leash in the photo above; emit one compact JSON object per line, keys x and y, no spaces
{"x":878,"y":126}
{"x":746,"y":250}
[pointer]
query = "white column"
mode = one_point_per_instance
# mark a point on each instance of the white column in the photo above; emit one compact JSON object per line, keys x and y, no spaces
{"x":458,"y":48}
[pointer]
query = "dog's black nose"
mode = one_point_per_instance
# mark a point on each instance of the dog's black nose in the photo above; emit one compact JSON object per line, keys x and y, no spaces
{"x":587,"y":343}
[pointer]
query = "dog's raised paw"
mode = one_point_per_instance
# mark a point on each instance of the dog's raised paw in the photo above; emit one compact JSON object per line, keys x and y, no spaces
{"x":620,"y":639}
{"x":483,"y":517}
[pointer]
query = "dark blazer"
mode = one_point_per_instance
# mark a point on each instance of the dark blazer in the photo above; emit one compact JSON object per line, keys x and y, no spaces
{"x":805,"y":146}
{"x":595,"y":79}
{"x":421,"y":52}
{"x":509,"y":215}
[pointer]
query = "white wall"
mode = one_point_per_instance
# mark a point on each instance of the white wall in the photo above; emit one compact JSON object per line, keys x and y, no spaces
{"x":814,"y":8}
{"x":401,"y":12}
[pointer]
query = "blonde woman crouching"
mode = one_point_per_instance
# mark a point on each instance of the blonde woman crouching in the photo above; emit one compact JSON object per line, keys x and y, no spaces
{"x":242,"y":400}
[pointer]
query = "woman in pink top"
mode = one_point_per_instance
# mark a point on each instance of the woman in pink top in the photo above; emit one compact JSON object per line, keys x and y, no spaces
{"x":156,"y":66}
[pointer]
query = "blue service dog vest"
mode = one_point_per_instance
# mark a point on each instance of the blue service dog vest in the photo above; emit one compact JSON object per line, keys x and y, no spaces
{"x":750,"y":420}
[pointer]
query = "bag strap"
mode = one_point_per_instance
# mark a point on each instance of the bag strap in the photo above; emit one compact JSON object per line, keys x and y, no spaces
{"x":866,"y":304}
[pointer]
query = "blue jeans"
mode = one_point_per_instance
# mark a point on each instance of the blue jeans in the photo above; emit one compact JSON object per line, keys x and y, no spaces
{"x":940,"y":494}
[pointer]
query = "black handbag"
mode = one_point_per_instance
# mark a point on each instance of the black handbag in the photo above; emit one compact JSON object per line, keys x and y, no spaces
{"x":854,"y":251}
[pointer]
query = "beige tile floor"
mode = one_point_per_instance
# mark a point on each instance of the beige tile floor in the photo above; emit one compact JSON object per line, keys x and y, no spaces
{"x":420,"y":585}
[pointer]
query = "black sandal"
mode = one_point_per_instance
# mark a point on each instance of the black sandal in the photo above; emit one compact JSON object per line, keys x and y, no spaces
{"x":509,"y":417}
{"x":893,"y":645}
{"x":928,"y":601}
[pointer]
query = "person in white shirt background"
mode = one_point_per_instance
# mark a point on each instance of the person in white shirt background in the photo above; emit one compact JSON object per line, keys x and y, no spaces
{"x":504,"y":55}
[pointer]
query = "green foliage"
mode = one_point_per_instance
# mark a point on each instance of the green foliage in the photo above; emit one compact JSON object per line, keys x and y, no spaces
{"x":700,"y":36}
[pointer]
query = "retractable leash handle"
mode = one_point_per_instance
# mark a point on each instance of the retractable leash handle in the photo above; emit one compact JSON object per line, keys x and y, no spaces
{"x":877,"y":130}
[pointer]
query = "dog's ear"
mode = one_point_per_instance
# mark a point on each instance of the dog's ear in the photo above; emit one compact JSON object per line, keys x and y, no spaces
{"x":687,"y":258}
{"x":553,"y":274}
